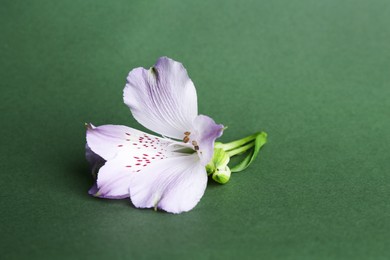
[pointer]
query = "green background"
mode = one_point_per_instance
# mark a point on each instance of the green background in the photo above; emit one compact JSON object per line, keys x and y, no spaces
{"x":313,"y":74}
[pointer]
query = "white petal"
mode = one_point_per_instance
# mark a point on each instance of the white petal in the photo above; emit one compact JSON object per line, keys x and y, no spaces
{"x":126,"y":151}
{"x":163,"y":98}
{"x":175,"y":184}
{"x":113,"y":179}
{"x":109,"y":140}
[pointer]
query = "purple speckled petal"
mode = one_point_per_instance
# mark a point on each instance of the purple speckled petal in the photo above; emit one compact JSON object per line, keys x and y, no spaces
{"x":126,"y":151}
{"x":108,"y":140}
{"x":206,"y":131}
{"x":175,"y":185}
{"x":163,"y":98}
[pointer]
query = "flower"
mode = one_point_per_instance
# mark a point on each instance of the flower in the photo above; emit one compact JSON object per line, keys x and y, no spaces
{"x":155,"y":172}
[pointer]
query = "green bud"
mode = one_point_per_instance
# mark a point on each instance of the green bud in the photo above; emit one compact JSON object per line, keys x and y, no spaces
{"x":218,"y":166}
{"x":222,"y":175}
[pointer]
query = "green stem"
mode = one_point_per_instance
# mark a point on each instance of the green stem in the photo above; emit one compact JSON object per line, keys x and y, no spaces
{"x":237,"y":143}
{"x":240,"y":149}
{"x":260,"y":140}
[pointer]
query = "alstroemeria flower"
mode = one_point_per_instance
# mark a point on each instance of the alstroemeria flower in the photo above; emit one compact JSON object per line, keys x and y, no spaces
{"x":161,"y":172}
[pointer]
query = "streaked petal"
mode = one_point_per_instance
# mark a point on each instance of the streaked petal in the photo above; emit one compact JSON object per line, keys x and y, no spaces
{"x":109,"y":140}
{"x":127,"y":151}
{"x":163,"y":98}
{"x":206,"y":131}
{"x":175,"y":184}
{"x":113,"y":178}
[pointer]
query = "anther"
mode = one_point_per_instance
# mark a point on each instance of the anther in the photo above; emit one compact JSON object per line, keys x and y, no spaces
{"x":187,"y":133}
{"x":186,"y":139}
{"x":195,"y":144}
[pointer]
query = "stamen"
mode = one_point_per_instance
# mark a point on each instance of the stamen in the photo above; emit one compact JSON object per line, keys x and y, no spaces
{"x":195,"y":144}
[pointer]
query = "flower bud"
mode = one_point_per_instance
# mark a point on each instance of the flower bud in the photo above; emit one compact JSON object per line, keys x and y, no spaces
{"x":218,"y":166}
{"x":222,"y":175}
